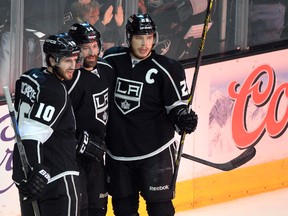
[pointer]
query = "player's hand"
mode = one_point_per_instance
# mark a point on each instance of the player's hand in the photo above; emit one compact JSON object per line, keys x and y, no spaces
{"x":90,"y":146}
{"x":33,"y":188}
{"x":186,"y":122}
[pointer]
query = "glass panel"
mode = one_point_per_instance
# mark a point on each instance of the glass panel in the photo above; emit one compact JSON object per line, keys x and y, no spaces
{"x":5,"y":36}
{"x":236,"y":25}
{"x":267,"y":21}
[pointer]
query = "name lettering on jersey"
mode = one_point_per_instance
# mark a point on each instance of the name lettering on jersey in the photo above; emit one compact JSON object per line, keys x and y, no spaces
{"x":101,"y":106}
{"x":127,"y":95}
{"x":28,"y":91}
{"x":148,"y":76}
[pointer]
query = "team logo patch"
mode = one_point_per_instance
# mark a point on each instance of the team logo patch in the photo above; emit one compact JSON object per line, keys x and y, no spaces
{"x":101,"y":106}
{"x":127,"y":95}
{"x":155,"y":3}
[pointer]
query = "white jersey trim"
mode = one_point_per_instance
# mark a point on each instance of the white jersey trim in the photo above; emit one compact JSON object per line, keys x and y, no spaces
{"x":54,"y":178}
{"x":169,"y":76}
{"x":114,"y":54}
{"x":104,"y":63}
{"x":34,"y":130}
{"x":157,"y":151}
{"x":75,"y":82}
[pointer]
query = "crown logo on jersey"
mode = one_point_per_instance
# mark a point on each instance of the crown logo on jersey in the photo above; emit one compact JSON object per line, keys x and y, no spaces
{"x":125,"y":105}
{"x":105,"y":116}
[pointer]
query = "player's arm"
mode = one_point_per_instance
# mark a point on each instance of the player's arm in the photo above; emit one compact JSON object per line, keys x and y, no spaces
{"x":37,"y":117}
{"x":178,"y":112}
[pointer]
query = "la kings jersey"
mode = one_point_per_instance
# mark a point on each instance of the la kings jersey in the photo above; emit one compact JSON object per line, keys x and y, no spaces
{"x":89,"y":91}
{"x":46,"y":124}
{"x":139,"y":126}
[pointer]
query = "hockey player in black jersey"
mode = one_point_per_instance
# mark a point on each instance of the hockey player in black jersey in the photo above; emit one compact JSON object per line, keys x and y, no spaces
{"x":150,"y":103}
{"x":47,"y":128}
{"x":90,"y":92}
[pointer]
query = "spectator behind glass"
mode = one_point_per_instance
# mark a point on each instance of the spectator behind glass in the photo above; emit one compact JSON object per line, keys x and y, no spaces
{"x":266,"y":21}
{"x":174,"y":19}
{"x":89,"y":11}
{"x":32,"y":55}
{"x":4,"y":43}
{"x":117,"y":35}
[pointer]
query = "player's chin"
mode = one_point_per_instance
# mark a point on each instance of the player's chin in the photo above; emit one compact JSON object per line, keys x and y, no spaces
{"x":142,"y":54}
{"x":69,"y":75}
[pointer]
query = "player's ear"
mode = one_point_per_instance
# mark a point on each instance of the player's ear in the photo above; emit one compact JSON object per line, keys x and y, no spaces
{"x":52,"y":61}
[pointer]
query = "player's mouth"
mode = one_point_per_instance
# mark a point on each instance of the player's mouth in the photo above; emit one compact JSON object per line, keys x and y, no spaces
{"x":143,"y":51}
{"x":90,"y":58}
{"x":70,"y":72}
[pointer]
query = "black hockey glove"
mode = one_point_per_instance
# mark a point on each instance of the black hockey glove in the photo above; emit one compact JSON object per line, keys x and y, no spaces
{"x":90,"y":146}
{"x":183,"y":120}
{"x":33,"y":188}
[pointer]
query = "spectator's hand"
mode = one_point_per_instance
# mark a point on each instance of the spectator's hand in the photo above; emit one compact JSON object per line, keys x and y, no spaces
{"x":142,"y":7}
{"x":84,"y":1}
{"x":108,"y":15}
{"x":119,"y":16}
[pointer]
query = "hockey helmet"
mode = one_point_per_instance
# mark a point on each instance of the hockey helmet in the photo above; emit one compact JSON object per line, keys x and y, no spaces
{"x":60,"y":45}
{"x":85,"y":33}
{"x":140,"y":24}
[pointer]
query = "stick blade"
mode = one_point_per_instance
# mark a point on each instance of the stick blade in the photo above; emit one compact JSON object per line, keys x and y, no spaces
{"x":243,"y":158}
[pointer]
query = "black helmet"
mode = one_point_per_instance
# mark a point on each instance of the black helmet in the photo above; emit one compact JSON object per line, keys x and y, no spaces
{"x":140,"y":24}
{"x":85,"y":33}
{"x":60,"y":45}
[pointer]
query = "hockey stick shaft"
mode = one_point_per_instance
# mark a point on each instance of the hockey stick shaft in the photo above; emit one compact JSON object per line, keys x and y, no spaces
{"x":20,"y":145}
{"x":243,"y":158}
{"x":193,"y":86}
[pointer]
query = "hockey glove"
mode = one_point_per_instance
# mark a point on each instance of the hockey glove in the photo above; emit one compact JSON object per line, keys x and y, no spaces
{"x":184,"y":121}
{"x":33,"y":188}
{"x":90,"y":146}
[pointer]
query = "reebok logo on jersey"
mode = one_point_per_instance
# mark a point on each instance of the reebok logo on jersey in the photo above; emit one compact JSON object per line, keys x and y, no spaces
{"x":159,"y":188}
{"x":127,"y":95}
{"x":101,"y":195}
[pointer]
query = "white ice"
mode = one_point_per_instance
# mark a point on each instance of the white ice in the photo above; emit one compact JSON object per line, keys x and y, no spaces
{"x":274,"y":203}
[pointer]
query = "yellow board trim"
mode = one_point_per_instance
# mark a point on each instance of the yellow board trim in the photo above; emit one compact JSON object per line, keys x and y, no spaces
{"x":225,"y":186}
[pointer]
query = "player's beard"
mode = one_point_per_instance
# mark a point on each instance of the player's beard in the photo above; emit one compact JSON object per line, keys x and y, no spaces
{"x":61,"y":74}
{"x":89,"y":63}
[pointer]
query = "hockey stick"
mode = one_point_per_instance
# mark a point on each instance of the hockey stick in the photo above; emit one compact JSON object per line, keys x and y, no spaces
{"x":20,"y":145}
{"x":193,"y":86}
{"x":247,"y":155}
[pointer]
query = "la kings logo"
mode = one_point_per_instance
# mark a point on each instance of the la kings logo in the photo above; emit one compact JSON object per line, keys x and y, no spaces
{"x":127,"y":95}
{"x":101,"y":106}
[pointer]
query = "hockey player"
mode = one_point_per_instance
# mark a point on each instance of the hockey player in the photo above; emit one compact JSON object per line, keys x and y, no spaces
{"x":89,"y":90}
{"x":150,"y":98}
{"x":47,"y":128}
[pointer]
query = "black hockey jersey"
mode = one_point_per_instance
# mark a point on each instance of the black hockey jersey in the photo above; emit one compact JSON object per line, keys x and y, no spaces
{"x":139,"y":126}
{"x":46,"y":124}
{"x":89,"y":91}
